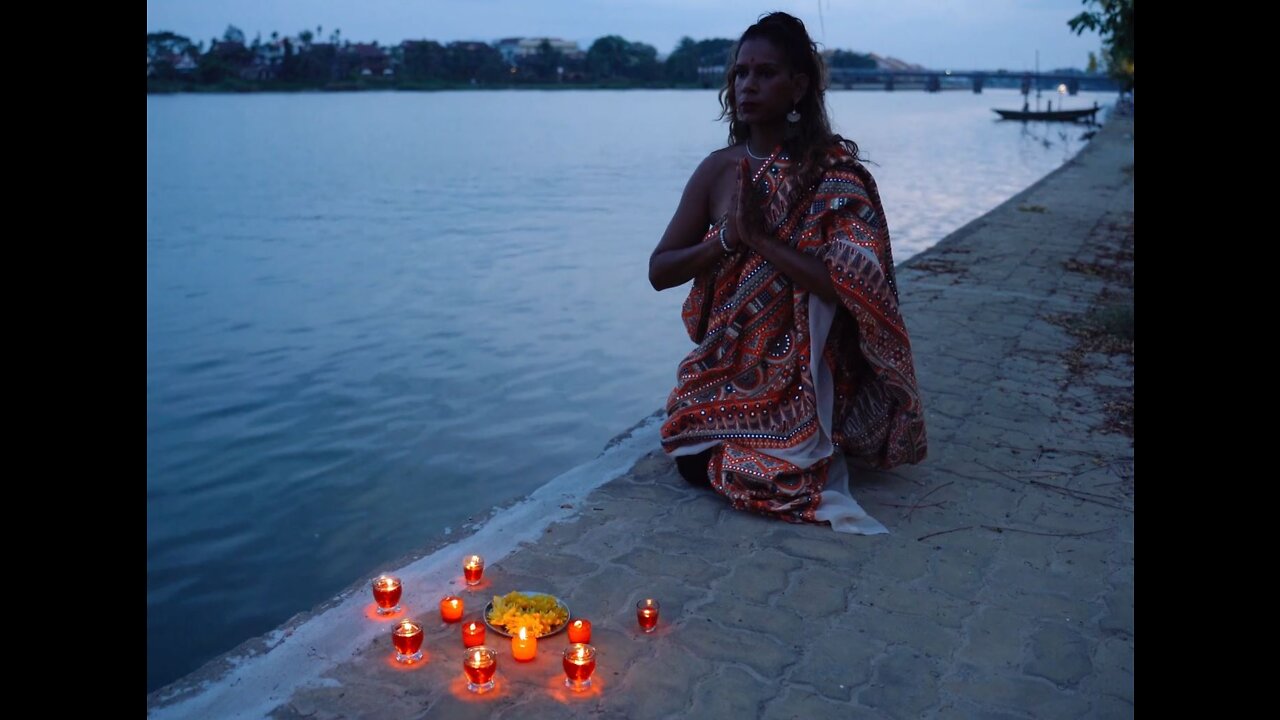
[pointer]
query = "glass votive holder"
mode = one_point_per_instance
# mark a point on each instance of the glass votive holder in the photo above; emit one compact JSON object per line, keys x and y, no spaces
{"x":451,"y":608}
{"x":472,"y":634}
{"x":480,"y":663}
{"x":386,"y":593}
{"x":407,"y":637}
{"x":524,"y":646}
{"x":647,"y":614}
{"x":580,"y":631}
{"x":579,"y":663}
{"x":473,"y":569}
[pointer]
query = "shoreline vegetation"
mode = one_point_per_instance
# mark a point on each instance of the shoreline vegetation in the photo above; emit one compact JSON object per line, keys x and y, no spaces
{"x":170,"y":88}
{"x":303,"y":62}
{"x":165,"y":87}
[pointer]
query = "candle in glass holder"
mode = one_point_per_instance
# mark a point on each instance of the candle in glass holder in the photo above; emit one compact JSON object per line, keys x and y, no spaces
{"x":473,"y":569}
{"x":524,"y":646}
{"x":386,"y":593}
{"x":479,"y":664}
{"x":451,"y":608}
{"x":580,"y":631}
{"x":407,"y":637}
{"x":579,"y":662}
{"x":647,"y":614}
{"x":472,"y":634}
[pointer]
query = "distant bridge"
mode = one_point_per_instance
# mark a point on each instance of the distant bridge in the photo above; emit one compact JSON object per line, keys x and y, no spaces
{"x":938,"y":80}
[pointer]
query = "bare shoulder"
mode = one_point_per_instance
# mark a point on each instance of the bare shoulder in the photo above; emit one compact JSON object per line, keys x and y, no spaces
{"x":713,"y":166}
{"x":726,"y":158}
{"x":715,"y":173}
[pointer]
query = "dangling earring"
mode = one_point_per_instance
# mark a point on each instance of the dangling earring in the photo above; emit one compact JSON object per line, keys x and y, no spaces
{"x":794,"y":115}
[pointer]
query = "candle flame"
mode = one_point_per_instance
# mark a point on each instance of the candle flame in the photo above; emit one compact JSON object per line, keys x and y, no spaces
{"x":472,"y":627}
{"x":522,"y":634}
{"x":453,"y":603}
{"x":478,"y":660}
{"x":577,"y":624}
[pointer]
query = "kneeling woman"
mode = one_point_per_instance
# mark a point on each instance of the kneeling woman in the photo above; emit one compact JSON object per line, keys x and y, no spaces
{"x":803,"y":355}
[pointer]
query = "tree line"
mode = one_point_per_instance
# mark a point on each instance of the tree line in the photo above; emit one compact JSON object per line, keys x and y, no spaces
{"x":175,"y":62}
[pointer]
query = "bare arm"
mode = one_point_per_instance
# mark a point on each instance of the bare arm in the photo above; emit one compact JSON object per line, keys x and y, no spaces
{"x":680,"y":254}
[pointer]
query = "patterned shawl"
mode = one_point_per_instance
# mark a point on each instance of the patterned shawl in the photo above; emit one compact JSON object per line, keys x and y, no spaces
{"x":748,"y":388}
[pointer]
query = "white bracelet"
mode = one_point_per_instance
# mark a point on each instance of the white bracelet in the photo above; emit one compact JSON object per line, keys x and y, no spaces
{"x":724,"y":244}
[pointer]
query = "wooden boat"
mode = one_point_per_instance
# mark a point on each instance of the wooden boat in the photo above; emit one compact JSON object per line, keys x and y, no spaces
{"x":1060,"y":115}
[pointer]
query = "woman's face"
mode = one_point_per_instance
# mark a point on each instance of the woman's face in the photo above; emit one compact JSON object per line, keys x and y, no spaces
{"x":764,"y":89}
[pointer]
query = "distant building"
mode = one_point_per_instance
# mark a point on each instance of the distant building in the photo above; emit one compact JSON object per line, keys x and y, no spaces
{"x":712,"y":74}
{"x":514,"y":49}
{"x":369,"y":59}
{"x":180,"y":62}
{"x":268,"y":59}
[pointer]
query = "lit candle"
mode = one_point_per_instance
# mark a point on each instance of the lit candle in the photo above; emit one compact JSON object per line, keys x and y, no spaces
{"x":579,"y":662}
{"x":473,"y":569}
{"x":386,"y":593}
{"x":472,"y":634}
{"x":451,"y":608}
{"x":407,"y":637}
{"x":479,"y":664}
{"x":580,"y":631}
{"x":647,"y":614}
{"x":524,"y":647}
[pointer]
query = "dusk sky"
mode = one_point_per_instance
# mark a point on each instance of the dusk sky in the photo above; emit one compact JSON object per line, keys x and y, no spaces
{"x":942,"y":34}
